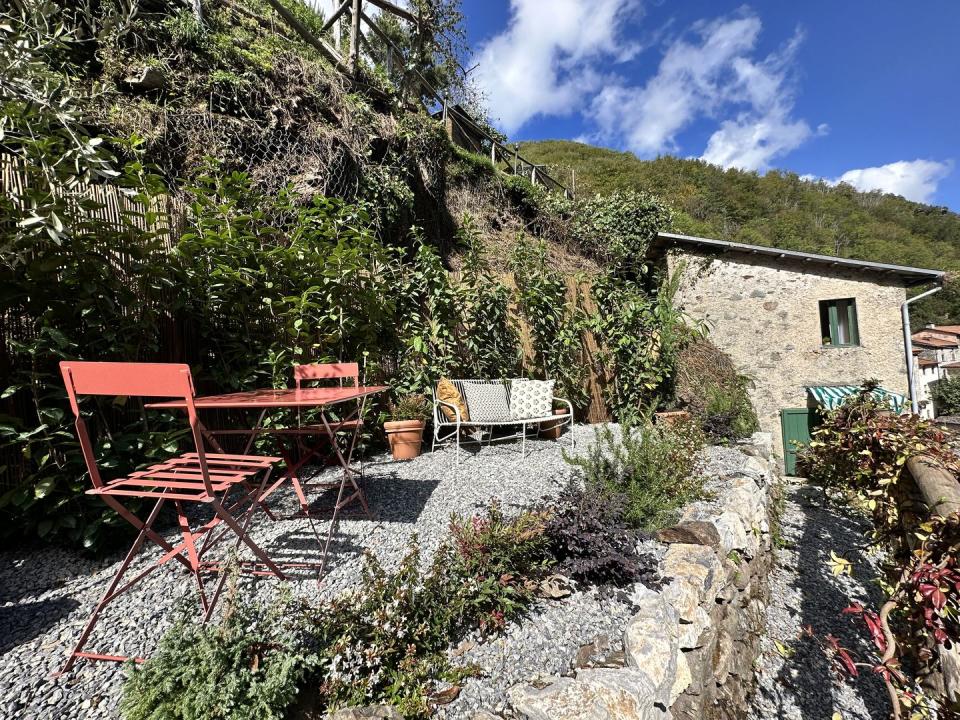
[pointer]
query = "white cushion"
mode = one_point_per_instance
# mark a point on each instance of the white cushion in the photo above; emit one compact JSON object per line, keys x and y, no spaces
{"x":486,"y":402}
{"x":531,"y":399}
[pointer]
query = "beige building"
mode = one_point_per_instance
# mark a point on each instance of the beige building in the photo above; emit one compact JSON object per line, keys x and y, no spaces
{"x":793,"y":321}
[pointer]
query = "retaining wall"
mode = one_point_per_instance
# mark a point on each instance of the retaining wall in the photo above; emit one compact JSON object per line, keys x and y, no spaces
{"x":689,"y":649}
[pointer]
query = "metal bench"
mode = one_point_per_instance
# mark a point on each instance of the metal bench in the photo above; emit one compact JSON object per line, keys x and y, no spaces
{"x":447,"y":431}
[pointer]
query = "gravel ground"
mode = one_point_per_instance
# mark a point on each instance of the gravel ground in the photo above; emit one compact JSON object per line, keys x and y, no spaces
{"x":803,"y":686}
{"x":46,"y":595}
{"x":547,"y":640}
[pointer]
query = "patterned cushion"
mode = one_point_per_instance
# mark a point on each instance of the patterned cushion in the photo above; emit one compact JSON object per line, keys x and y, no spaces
{"x":531,"y":398}
{"x":487,"y":402}
{"x":448,"y":393}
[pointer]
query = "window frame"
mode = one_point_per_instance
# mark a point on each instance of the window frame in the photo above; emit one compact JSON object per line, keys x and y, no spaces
{"x":830,"y":311}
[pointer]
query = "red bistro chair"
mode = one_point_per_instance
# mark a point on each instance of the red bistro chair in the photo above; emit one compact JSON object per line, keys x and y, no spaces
{"x":345,"y":374}
{"x":196,"y":477}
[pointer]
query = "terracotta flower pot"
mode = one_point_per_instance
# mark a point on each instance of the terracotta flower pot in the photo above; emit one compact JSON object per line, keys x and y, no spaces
{"x":405,"y":438}
{"x":551,"y":430}
{"x":671,"y":416}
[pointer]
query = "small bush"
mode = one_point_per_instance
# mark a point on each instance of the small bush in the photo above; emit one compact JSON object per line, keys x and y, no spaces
{"x":654,"y":467}
{"x":617,"y":228}
{"x":382,"y":642}
{"x":728,"y":414}
{"x":592,"y":542}
{"x":946,"y":396}
{"x":707,"y":384}
{"x":386,"y":641}
{"x":411,"y":407}
{"x":246,"y":667}
{"x":493,"y":561}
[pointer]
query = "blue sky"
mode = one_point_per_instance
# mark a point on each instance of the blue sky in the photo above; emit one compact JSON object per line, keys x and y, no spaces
{"x":864,"y":92}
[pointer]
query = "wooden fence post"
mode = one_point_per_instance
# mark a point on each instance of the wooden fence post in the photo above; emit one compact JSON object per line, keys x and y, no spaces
{"x":354,"y":60}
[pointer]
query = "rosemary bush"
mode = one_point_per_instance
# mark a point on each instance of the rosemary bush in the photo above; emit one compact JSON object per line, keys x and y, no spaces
{"x":654,"y":467}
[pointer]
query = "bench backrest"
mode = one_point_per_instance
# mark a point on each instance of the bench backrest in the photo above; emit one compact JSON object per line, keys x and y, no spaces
{"x":459,"y":385}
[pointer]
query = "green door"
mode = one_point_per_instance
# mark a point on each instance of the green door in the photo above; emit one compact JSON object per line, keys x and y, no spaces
{"x":796,"y":424}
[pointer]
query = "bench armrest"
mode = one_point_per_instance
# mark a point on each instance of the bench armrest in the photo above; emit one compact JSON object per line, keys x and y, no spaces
{"x":441,"y":417}
{"x":568,"y":404}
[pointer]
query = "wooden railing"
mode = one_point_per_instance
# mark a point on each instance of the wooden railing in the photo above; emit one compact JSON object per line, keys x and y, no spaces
{"x":347,"y":60}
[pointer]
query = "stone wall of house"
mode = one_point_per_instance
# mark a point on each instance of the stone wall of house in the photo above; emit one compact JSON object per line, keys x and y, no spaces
{"x":690,"y":647}
{"x":764,"y":312}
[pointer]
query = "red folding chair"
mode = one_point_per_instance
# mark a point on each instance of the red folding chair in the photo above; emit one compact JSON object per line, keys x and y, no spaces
{"x":196,"y":477}
{"x":344,"y":374}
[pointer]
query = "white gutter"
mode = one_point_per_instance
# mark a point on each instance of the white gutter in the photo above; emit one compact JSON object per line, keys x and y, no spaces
{"x":908,"y":345}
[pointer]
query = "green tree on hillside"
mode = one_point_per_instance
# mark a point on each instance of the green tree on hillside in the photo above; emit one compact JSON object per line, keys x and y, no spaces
{"x":777,"y":209}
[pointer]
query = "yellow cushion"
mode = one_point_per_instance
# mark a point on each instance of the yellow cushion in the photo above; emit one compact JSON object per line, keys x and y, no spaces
{"x":448,"y":393}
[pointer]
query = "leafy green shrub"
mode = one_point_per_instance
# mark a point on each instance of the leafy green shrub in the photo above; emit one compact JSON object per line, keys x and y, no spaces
{"x":946,"y":396}
{"x":246,"y":667}
{"x":640,"y":339}
{"x":386,"y":641}
{"x":656,"y":468}
{"x":497,"y":557}
{"x":57,"y":298}
{"x":487,"y":333}
{"x":470,"y":167}
{"x":707,"y":384}
{"x":593,"y":543}
{"x":618,"y":227}
{"x":555,"y":326}
{"x":728,"y":414}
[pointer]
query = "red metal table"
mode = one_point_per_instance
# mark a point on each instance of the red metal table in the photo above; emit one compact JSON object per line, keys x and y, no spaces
{"x":321,"y":399}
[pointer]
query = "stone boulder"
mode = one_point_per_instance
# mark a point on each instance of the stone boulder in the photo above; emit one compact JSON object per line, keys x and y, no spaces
{"x":602,"y":694}
{"x":371,"y":712}
{"x":651,"y":644}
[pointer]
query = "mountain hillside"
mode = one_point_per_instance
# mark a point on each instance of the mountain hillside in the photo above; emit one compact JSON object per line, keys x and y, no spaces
{"x":778,"y":209}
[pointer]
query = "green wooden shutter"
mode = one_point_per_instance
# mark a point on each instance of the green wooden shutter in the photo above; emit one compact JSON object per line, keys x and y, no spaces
{"x":834,"y":325}
{"x":853,"y":330}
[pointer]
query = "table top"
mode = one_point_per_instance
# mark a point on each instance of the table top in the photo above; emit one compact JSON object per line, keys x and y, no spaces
{"x":271,"y":397}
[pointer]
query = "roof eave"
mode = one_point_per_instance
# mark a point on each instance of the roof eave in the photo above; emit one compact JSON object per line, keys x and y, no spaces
{"x":909,"y":276}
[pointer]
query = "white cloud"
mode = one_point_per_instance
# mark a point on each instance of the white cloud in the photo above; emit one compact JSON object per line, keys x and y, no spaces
{"x":710,"y":74}
{"x":545,"y":61}
{"x":913,"y":179}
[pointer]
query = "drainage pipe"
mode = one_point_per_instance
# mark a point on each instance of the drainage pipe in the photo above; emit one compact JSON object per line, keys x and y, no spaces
{"x":908,"y":345}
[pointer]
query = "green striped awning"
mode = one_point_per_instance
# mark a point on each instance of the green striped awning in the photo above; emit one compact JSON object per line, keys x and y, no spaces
{"x":831,"y":397}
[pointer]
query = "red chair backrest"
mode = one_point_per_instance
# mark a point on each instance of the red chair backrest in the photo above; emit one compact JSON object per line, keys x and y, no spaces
{"x":127,"y":379}
{"x":327,"y":371}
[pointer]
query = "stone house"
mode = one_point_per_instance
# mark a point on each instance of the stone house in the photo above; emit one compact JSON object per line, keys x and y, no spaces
{"x":937,"y":352}
{"x":927,"y":373}
{"x":793,"y":321}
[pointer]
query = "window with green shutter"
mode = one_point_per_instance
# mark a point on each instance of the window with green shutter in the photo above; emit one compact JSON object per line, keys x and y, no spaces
{"x":838,"y":322}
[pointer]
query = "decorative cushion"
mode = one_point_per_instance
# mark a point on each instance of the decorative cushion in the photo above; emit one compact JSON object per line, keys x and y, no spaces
{"x":448,"y":393}
{"x":487,"y":402}
{"x":531,"y":399}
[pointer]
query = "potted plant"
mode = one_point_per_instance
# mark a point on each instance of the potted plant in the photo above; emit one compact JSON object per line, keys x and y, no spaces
{"x":669,"y":417}
{"x":405,"y":427}
{"x":551,"y":430}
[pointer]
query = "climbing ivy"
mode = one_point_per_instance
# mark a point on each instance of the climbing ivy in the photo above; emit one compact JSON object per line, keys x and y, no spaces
{"x":640,"y":338}
{"x":555,"y":325}
{"x":488,"y":332}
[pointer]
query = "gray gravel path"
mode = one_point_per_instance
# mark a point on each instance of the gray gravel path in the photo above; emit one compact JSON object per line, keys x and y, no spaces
{"x":46,"y":595}
{"x":804,"y":592}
